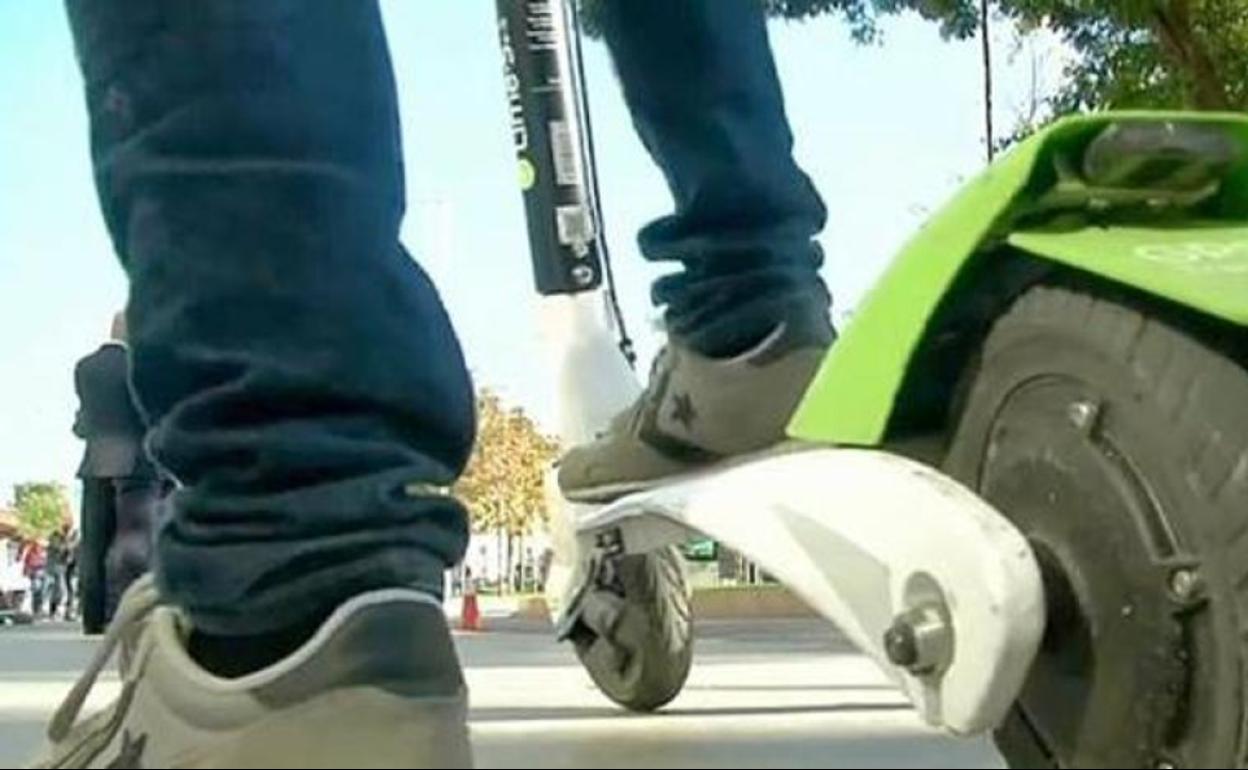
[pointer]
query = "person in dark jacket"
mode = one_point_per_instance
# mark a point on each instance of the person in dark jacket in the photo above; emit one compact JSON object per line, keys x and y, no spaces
{"x":120,"y":486}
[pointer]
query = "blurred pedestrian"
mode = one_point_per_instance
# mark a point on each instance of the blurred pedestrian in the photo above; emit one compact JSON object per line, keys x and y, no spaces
{"x":34,"y":567}
{"x":57,"y":560}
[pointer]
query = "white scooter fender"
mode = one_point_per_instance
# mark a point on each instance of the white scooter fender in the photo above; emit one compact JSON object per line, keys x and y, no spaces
{"x":922,"y":575}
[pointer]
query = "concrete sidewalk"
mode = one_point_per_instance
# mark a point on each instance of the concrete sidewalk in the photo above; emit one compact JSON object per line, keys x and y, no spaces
{"x":776,"y":693}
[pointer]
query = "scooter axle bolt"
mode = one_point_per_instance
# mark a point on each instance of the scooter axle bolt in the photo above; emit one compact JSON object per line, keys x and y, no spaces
{"x":920,"y":641}
{"x":900,"y":645}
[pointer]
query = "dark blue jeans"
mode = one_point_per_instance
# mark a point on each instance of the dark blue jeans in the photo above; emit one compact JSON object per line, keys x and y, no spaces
{"x":305,"y":385}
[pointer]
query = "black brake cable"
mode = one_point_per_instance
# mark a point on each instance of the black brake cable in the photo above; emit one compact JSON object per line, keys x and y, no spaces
{"x":591,"y":168}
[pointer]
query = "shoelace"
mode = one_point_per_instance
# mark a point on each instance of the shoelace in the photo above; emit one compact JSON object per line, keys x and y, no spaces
{"x":138,"y":602}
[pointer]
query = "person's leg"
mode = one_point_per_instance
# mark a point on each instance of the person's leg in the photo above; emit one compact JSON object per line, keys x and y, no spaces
{"x":96,"y":526}
{"x":37,"y":593}
{"x":702,"y":87}
{"x":71,"y":591}
{"x":55,"y":575}
{"x":302,"y":378}
{"x":304,"y":384}
{"x":62,"y":593}
{"x":747,"y":313}
{"x":130,"y":548}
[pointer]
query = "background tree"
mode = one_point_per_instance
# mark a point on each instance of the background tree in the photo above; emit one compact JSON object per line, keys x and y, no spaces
{"x":1127,"y":53}
{"x":503,"y":484}
{"x":957,"y":19}
{"x":42,"y":508}
{"x":1146,"y":53}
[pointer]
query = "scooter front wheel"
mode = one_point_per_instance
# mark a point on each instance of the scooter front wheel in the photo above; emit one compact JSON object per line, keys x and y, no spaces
{"x":642,"y":661}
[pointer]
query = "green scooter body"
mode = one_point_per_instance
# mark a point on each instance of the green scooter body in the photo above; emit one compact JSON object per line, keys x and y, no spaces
{"x":1033,"y":201}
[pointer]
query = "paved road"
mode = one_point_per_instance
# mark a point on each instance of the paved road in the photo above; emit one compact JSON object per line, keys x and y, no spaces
{"x":762,"y":694}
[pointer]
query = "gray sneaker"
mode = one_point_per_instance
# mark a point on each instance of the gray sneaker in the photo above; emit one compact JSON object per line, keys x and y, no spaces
{"x":695,"y":412}
{"x":377,"y":686}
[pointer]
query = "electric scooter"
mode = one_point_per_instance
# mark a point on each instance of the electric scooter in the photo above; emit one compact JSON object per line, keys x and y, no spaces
{"x":1019,"y":482}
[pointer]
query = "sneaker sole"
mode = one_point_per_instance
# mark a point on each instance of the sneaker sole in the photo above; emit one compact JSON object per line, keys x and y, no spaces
{"x":603,"y":494}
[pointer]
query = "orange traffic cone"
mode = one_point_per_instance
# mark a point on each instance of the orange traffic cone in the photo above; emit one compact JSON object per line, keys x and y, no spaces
{"x":470,"y":612}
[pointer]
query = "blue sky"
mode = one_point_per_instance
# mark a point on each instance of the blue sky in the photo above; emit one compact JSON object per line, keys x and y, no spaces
{"x":886,"y":132}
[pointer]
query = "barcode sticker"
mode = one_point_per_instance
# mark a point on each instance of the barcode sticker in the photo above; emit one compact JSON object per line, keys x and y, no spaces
{"x":574,"y":224}
{"x":563,"y":149}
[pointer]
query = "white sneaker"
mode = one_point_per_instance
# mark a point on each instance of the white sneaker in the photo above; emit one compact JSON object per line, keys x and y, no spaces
{"x":379,"y":685}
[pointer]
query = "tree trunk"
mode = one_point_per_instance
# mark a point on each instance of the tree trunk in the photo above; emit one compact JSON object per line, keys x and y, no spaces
{"x":1172,"y":22}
